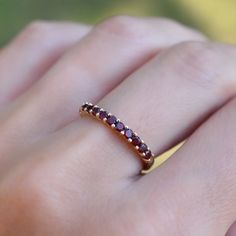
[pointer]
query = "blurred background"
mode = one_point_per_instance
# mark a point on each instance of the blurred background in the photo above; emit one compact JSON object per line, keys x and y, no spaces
{"x":216,"y":18}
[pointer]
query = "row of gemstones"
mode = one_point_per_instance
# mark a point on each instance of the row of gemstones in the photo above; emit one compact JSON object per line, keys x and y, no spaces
{"x":115,"y":123}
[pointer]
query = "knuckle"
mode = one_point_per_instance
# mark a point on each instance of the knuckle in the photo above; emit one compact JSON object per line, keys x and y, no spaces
{"x":122,"y":26}
{"x":169,"y":22}
{"x":197,"y":62}
{"x":37,"y":25}
{"x":35,"y":30}
{"x":180,"y":29}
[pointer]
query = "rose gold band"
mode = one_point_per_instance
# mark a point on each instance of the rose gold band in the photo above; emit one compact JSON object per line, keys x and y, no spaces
{"x":143,"y":151}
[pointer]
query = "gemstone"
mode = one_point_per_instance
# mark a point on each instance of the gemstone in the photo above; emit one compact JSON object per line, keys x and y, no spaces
{"x":96,"y":110}
{"x":103,"y":114}
{"x":120,"y":126}
{"x":89,"y":107}
{"x":84,"y":106}
{"x":148,"y":154}
{"x":111,"y":120}
{"x":143,"y":147}
{"x":128,"y":133}
{"x":136,"y":140}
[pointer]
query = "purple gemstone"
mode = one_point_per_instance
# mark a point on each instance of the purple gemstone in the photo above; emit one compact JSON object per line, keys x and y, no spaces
{"x":96,"y":110}
{"x":148,"y":154}
{"x":103,"y":114}
{"x":120,"y":126}
{"x":111,"y":120}
{"x":143,"y":147}
{"x":128,"y":133}
{"x":89,"y":107}
{"x":84,"y":106}
{"x":136,"y":140}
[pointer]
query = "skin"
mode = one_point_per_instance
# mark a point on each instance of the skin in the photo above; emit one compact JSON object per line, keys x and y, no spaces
{"x":66,"y":175}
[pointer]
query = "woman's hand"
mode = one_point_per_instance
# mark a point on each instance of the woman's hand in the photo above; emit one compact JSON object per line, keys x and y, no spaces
{"x":63,"y":175}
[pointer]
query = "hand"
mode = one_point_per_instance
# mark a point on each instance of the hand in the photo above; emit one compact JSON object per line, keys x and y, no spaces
{"x":63,"y":175}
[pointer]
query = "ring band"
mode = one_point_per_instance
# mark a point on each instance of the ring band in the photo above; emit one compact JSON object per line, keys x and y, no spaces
{"x":144,"y":153}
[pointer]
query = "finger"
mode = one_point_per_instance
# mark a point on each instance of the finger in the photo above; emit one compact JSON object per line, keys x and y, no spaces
{"x":198,"y":182}
{"x":32,"y":53}
{"x":93,"y":67}
{"x":232,"y":230}
{"x":163,"y":102}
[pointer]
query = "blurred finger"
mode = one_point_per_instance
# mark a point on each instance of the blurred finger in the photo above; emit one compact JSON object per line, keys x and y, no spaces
{"x":198,"y":182}
{"x":164,"y":101}
{"x":32,"y":53}
{"x":93,"y":67}
{"x":232,"y":230}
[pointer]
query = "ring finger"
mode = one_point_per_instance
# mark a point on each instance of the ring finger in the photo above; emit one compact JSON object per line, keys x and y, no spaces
{"x":164,"y":102}
{"x":94,"y":66}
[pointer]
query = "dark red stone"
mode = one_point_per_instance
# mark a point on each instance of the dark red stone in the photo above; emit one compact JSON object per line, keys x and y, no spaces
{"x":148,"y":154}
{"x":84,"y":106}
{"x":89,"y":107}
{"x":96,"y":110}
{"x":111,"y":120}
{"x":128,"y":133}
{"x":103,"y":114}
{"x":120,"y":126}
{"x":143,"y":147}
{"x":136,"y":140}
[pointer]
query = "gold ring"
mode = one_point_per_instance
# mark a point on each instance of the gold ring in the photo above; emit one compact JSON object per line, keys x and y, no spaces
{"x":144,"y":153}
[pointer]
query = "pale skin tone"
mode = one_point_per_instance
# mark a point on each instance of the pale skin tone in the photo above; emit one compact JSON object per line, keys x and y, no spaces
{"x":66,"y":175}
